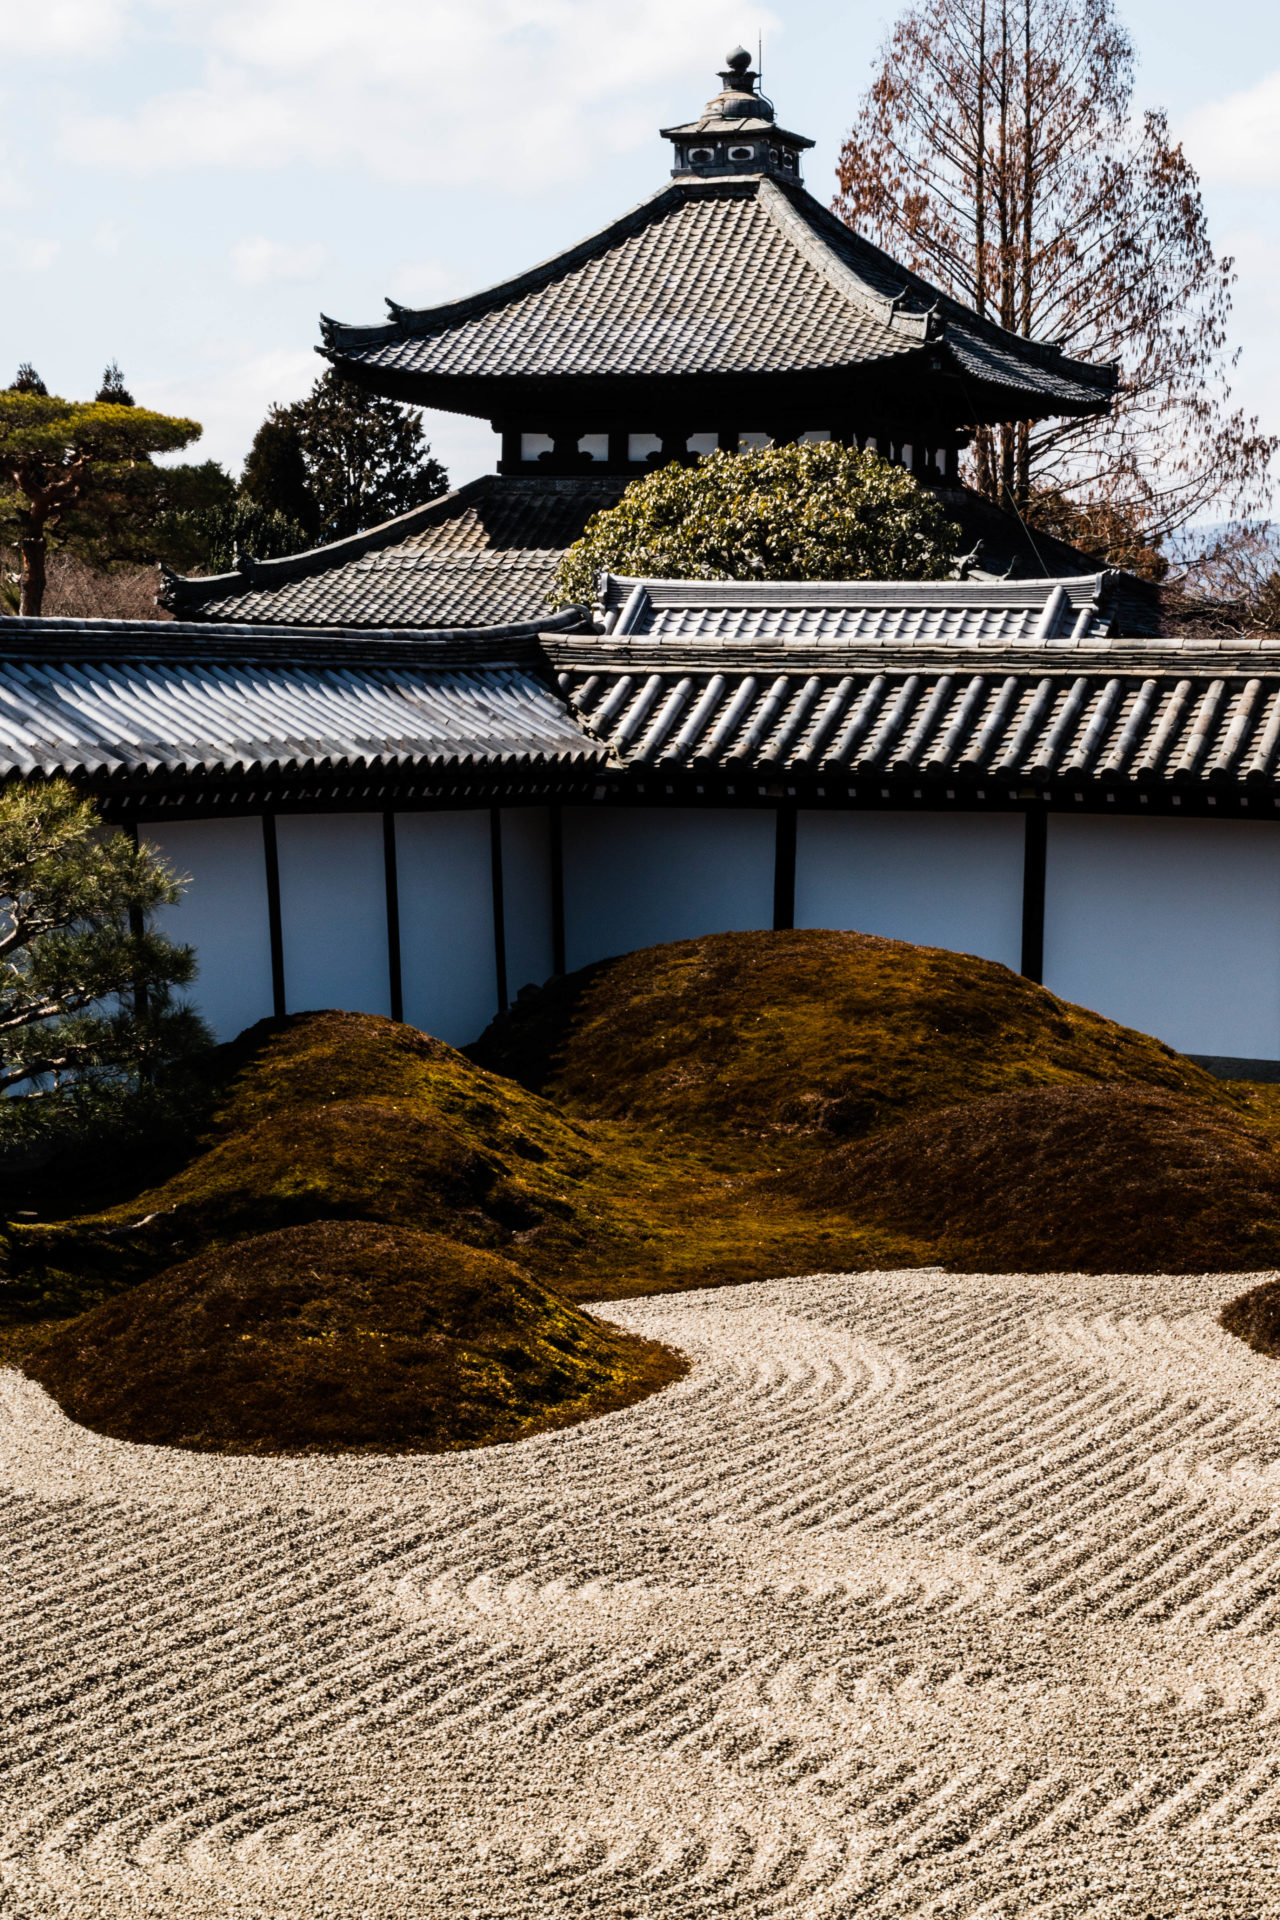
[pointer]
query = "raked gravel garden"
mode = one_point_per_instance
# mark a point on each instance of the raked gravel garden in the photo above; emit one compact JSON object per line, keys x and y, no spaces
{"x":919,"y":1594}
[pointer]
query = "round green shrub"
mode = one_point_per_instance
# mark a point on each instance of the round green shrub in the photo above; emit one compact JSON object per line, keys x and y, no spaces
{"x":811,"y":511}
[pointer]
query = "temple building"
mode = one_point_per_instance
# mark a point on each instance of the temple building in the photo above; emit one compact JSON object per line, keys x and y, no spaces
{"x":400,"y":784}
{"x":730,"y":309}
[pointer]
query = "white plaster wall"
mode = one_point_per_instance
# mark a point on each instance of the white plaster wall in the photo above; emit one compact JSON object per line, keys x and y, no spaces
{"x":940,"y":879}
{"x":636,"y":876}
{"x":1172,"y":926}
{"x":333,"y":912}
{"x":222,"y":914}
{"x":448,"y":967}
{"x":526,"y":895}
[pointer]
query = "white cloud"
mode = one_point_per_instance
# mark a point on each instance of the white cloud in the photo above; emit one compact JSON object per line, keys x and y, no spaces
{"x":259,"y":262}
{"x":511,"y":94}
{"x":13,"y":187}
{"x":1236,"y":141}
{"x":67,"y":29}
{"x":425,"y":283}
{"x":28,"y":253}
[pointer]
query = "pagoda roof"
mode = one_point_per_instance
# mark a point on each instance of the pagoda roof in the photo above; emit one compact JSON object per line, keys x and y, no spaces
{"x":478,"y":557}
{"x":487,"y":554}
{"x":724,"y":277}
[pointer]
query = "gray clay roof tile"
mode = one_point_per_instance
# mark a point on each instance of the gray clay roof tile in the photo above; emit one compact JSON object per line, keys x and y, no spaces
{"x":712,"y":277}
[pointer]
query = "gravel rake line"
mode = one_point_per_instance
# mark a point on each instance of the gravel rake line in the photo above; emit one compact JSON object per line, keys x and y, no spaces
{"x":921,"y":1594}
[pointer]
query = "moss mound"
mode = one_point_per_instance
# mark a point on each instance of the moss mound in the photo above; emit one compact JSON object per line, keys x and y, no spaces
{"x":340,"y":1116}
{"x":1254,"y":1317}
{"x":341,"y":1336}
{"x":1093,"y":1179}
{"x":712,"y":1111}
{"x":766,"y":1034}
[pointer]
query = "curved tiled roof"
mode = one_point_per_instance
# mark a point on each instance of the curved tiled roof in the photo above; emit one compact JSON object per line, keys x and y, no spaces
{"x":691,"y":615}
{"x":482,"y":556}
{"x":1009,"y":687}
{"x":119,"y":700}
{"x":1157,"y":724}
{"x":712,"y":277}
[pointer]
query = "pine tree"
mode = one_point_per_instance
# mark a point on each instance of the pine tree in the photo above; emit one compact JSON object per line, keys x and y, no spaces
{"x":62,"y":458}
{"x":86,"y":986}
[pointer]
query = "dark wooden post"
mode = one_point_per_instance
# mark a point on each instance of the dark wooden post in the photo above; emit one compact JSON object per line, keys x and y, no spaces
{"x":556,"y":832}
{"x":1034,"y":862}
{"x":395,"y":976}
{"x":784,"y":870}
{"x":275,"y":928}
{"x":499,"y":906}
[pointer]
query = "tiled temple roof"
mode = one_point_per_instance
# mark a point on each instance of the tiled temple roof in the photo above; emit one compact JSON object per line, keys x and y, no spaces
{"x":738,"y":276}
{"x":974,"y":683}
{"x":475,"y":558}
{"x":689,"y":616}
{"x":119,"y":699}
{"x":486,"y":555}
{"x":1006,"y":691}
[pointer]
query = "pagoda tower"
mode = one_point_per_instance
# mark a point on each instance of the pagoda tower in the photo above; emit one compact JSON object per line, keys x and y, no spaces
{"x":729,"y":309}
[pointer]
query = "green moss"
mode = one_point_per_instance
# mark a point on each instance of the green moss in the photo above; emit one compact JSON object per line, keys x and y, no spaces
{"x":1095,"y":1179}
{"x":343,"y":1336}
{"x":713,"y":1111}
{"x":769,"y":1035}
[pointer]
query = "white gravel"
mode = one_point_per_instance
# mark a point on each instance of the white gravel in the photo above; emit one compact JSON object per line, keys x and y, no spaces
{"x":921,"y":1595}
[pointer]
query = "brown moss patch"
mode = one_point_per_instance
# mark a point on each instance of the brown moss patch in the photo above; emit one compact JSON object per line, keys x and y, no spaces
{"x":1254,"y":1317}
{"x":1094,"y":1179}
{"x":337,"y":1116}
{"x":776,"y":1034}
{"x":686,"y":1116}
{"x":341,"y":1337}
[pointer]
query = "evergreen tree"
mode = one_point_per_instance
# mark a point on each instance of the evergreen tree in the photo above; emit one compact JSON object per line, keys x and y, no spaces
{"x":813,"y":511}
{"x":61,"y":457}
{"x":342,"y":460}
{"x":275,"y":476}
{"x":113,"y":391}
{"x":28,"y":380}
{"x":86,"y":983}
{"x":213,"y":538}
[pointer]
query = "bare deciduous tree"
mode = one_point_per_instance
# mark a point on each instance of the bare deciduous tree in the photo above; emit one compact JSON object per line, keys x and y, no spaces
{"x":998,"y":154}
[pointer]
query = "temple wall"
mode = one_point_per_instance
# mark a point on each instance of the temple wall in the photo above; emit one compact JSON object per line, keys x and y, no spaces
{"x":333,"y":912}
{"x":448,"y":964}
{"x":526,"y":896}
{"x":634,"y":877}
{"x":1172,"y":926}
{"x":944,"y":880}
{"x":1169,"y":925}
{"x":222,"y":914}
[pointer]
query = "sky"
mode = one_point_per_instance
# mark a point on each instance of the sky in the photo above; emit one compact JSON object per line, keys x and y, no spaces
{"x":185,"y":185}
